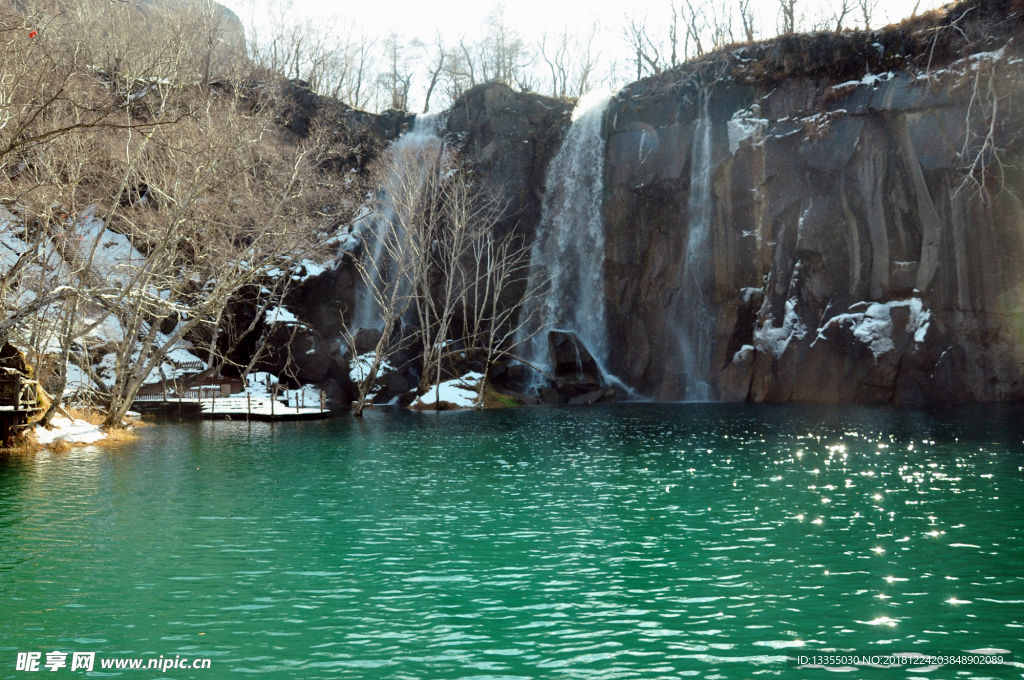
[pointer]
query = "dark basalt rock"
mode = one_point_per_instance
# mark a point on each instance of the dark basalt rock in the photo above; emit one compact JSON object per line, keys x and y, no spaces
{"x":297,"y":352}
{"x":597,"y":396}
{"x":367,"y":340}
{"x":575,"y":371}
{"x":852,"y":259}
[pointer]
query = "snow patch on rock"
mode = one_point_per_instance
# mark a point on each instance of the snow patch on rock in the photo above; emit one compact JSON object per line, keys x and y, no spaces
{"x":743,"y":354}
{"x":776,"y":339}
{"x":874,"y":326}
{"x":359,"y":368}
{"x":746,"y":124}
{"x":460,"y":392}
{"x":280,"y":315}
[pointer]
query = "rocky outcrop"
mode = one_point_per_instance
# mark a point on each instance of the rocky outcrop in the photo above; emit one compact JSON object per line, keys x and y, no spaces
{"x":297,"y":352}
{"x":510,"y":137}
{"x":576,"y":373}
{"x":866,"y":230}
{"x":862,"y":200}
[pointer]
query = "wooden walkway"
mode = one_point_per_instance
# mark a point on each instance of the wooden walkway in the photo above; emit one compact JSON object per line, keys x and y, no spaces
{"x":209,"y":404}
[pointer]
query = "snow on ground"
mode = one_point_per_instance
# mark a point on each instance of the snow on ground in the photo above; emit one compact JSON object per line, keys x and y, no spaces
{"x":280,"y":314}
{"x":11,"y":246}
{"x":312,"y":269}
{"x":64,"y":429}
{"x":77,"y":380}
{"x":256,"y":398}
{"x":110,"y":330}
{"x":459,"y":392}
{"x":106,"y":369}
{"x":743,"y":354}
{"x":116,"y":256}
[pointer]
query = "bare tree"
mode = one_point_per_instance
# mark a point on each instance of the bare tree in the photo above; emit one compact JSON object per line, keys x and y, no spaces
{"x":721,"y":24}
{"x":646,"y":54}
{"x":387,"y":280}
{"x":202,"y":249}
{"x":434,"y":63}
{"x":396,"y":79}
{"x":495,"y":313}
{"x":787,"y":17}
{"x":831,"y":17}
{"x":571,"y":61}
{"x":332,"y":54}
{"x":394,"y":249}
{"x":748,"y":18}
{"x":502,"y":54}
{"x":867,"y":9}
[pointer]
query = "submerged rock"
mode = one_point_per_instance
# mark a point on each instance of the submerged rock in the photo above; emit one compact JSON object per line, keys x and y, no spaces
{"x":597,"y":396}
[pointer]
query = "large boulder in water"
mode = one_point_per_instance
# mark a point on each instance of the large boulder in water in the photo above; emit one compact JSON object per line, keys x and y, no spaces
{"x":575,"y":370}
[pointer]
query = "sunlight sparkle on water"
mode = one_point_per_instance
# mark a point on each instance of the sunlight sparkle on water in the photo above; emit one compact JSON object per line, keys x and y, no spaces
{"x":506,"y":544}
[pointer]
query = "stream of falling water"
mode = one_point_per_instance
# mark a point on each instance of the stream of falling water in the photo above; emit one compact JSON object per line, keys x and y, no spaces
{"x":411,"y":157}
{"x":567,"y":259}
{"x":694,"y":310}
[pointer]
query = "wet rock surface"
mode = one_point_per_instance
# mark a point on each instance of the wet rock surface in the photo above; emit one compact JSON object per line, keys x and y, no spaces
{"x":854,"y":257}
{"x":866,"y":231}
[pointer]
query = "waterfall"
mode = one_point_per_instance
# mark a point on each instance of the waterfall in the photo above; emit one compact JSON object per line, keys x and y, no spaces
{"x":695,"y":319}
{"x":410,"y":158}
{"x":567,"y":259}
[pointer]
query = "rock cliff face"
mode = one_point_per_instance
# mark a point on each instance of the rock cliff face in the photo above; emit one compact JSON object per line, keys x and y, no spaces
{"x":819,"y":218}
{"x":866,"y":231}
{"x":510,"y":137}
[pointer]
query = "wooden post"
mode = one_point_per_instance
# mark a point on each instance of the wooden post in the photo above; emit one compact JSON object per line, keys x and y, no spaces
{"x":163,"y":384}
{"x":273,"y":398}
{"x":17,"y":394}
{"x":179,"y":402}
{"x":213,"y":405}
{"x":302,"y":394}
{"x":322,"y":400}
{"x":248,"y":405}
{"x":296,"y":402}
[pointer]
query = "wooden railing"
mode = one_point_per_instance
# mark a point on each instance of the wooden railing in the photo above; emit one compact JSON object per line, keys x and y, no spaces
{"x":205,"y":392}
{"x":19,"y":392}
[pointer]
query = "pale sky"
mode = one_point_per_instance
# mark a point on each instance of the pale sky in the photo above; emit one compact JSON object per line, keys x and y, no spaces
{"x":532,"y":18}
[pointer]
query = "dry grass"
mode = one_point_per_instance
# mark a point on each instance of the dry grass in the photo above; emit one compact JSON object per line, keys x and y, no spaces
{"x":932,"y":39}
{"x":22,"y":445}
{"x":495,"y":399}
{"x":118,"y":436}
{"x":91,"y":416}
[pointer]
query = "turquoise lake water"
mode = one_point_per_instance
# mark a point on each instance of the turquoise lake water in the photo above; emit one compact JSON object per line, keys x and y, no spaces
{"x":620,"y":541}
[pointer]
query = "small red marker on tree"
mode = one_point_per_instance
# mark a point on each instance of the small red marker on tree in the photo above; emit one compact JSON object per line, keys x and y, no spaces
{"x":33,"y":34}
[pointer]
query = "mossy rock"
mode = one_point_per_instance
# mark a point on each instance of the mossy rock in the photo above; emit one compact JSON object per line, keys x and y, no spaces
{"x":13,"y":358}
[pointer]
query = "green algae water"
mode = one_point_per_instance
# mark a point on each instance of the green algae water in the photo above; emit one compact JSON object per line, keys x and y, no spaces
{"x":627,"y":541}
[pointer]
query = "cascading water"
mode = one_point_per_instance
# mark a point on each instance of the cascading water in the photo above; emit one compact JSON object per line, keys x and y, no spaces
{"x":411,"y":157}
{"x":567,"y":259}
{"x":694,"y":310}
